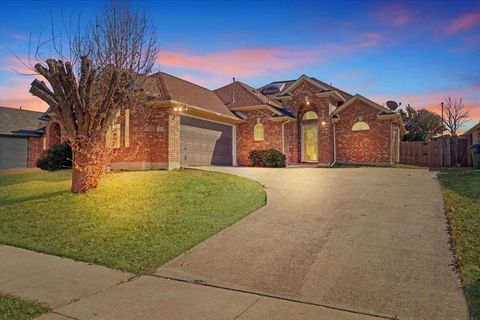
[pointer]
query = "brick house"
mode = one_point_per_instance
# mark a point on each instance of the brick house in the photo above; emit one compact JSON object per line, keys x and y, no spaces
{"x":21,"y":137}
{"x":312,"y":122}
{"x":306,"y":119}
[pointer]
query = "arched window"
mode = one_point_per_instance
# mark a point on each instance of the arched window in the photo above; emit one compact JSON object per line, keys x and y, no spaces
{"x":258,"y":133}
{"x":360,"y":126}
{"x":310,"y":115}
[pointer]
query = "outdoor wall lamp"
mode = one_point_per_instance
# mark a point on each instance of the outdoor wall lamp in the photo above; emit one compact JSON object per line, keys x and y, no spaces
{"x":180,"y":109}
{"x":323,"y":122}
{"x":307,"y":101}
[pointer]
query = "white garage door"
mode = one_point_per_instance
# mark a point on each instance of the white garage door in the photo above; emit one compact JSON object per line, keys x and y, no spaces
{"x":13,"y":152}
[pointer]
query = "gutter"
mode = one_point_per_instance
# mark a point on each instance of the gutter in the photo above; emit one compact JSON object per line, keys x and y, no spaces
{"x":334,"y":146}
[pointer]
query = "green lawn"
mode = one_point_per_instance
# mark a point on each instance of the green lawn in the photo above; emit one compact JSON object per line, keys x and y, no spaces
{"x":462,"y":201}
{"x":134,"y":221}
{"x":13,"y":308}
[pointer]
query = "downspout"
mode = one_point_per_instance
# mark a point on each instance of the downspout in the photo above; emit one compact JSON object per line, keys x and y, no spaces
{"x":334,"y":146}
{"x":391,"y":143}
{"x":283,"y":135}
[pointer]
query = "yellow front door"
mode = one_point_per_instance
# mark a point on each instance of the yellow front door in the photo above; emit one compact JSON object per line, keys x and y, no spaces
{"x":310,"y":143}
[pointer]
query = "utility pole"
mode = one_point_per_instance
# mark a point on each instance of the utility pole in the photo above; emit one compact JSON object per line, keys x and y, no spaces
{"x":443,"y":121}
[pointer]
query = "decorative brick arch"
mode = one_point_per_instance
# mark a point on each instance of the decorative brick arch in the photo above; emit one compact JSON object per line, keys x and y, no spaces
{"x":301,"y":111}
{"x":54,"y":133}
{"x":303,"y":108}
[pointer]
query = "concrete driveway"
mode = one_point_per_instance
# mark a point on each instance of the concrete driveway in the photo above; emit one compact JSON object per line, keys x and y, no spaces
{"x":367,"y":240}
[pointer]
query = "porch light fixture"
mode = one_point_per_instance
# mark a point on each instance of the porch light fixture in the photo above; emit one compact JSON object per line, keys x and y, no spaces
{"x":307,"y":101}
{"x":323,"y":122}
{"x":180,"y":109}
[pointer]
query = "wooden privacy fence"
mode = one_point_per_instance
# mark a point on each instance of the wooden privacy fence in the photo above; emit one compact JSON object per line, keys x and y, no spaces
{"x":441,"y":152}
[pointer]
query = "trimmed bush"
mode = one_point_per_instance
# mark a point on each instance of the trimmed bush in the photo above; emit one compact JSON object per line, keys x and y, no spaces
{"x":267,"y":158}
{"x":58,"y":157}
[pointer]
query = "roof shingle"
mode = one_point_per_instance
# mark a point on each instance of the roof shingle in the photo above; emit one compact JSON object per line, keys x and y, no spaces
{"x":12,"y":119}
{"x":167,"y":87}
{"x":239,"y":94}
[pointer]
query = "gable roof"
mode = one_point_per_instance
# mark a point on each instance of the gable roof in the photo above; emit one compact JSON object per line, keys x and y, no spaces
{"x":167,"y":87}
{"x":369,"y":102}
{"x":19,"y":121}
{"x":472,"y":129}
{"x":239,"y":94}
{"x":292,"y":84}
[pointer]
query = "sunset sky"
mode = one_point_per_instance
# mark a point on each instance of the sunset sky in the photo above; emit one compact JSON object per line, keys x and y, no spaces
{"x":417,"y":53}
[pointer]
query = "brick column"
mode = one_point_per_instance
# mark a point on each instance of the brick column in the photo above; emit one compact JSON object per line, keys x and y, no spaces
{"x":173,"y":140}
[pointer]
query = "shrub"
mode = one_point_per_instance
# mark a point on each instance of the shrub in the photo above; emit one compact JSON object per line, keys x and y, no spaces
{"x":58,"y":157}
{"x":267,"y":158}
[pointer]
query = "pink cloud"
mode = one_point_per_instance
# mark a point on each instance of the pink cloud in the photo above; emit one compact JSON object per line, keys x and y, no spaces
{"x":18,"y":64}
{"x":395,"y":15}
{"x":238,"y":62}
{"x":16,"y":95}
{"x":431,"y":99}
{"x":464,"y":22}
{"x":254,"y":62}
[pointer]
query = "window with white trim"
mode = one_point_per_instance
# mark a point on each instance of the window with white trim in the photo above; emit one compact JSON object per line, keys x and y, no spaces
{"x":126,"y":137}
{"x":360,"y":126}
{"x":258,"y":132}
{"x":113,"y":133}
{"x":310,"y":115}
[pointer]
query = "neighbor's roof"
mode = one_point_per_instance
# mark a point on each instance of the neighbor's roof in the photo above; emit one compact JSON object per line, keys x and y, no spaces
{"x":472,"y":129}
{"x":239,"y":94}
{"x":167,"y":87}
{"x":19,"y":121}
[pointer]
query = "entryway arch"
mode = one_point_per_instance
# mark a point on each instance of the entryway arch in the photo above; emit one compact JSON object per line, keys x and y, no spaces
{"x":309,"y":135}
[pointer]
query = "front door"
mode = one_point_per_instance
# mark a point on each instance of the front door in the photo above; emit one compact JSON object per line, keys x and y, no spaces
{"x":310,"y":143}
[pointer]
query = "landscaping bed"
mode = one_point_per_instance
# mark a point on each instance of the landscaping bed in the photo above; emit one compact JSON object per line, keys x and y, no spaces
{"x":461,"y":192}
{"x":134,"y":221}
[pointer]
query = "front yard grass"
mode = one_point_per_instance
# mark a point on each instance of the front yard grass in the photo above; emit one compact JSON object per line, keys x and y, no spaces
{"x":134,"y":221}
{"x":461,"y":194}
{"x":13,"y":308}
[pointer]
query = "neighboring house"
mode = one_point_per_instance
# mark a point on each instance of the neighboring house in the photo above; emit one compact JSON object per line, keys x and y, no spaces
{"x":473,"y":134}
{"x":21,"y":137}
{"x":306,"y":119}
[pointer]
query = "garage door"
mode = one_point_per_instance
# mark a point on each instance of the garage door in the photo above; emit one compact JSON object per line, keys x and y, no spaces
{"x":204,"y":142}
{"x":13,"y":152}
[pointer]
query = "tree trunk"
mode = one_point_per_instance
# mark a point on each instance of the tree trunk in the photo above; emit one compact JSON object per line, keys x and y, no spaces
{"x":89,"y":162}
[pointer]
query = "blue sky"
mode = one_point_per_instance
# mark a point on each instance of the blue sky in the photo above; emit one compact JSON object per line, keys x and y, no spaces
{"x":413,"y":52}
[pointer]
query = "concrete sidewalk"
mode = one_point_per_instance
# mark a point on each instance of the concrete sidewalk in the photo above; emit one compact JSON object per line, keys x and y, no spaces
{"x":78,"y":290}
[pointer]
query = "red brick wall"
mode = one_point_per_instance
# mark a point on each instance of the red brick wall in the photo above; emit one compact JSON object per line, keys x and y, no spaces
{"x":371,"y":146}
{"x":245,"y":142}
{"x":298,"y":107}
{"x":149,"y":139}
{"x":35,"y":150}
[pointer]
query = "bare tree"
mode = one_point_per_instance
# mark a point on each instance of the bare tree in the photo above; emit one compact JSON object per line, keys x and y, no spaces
{"x":456,"y":114}
{"x":96,"y":76}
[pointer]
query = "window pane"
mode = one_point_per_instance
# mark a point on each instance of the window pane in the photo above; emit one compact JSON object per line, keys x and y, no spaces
{"x":360,"y":126}
{"x":108,"y":138}
{"x":310,"y":115}
{"x":258,"y":132}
